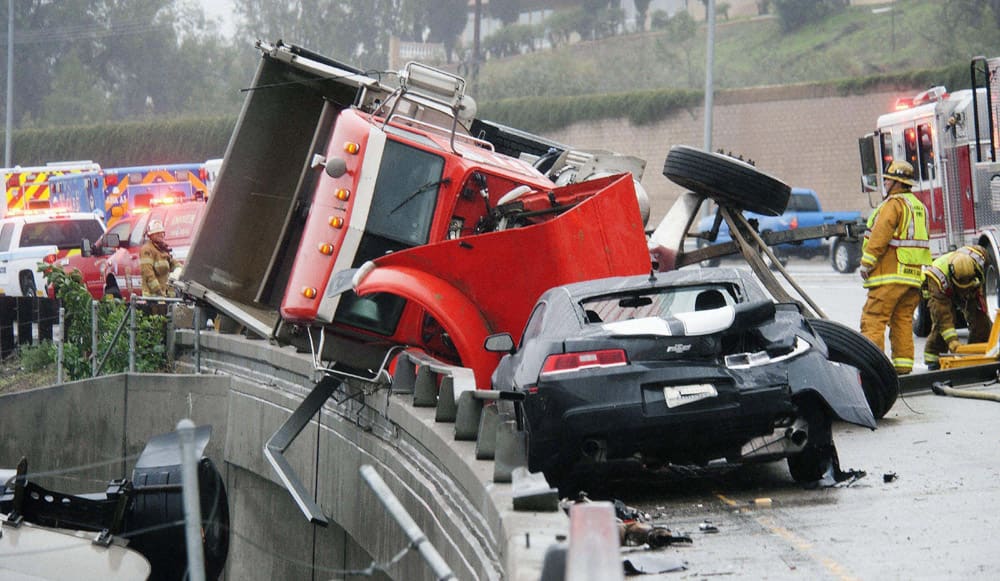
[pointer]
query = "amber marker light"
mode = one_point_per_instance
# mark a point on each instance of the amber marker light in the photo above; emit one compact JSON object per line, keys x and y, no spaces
{"x":351,"y":147}
{"x":309,"y":292}
{"x":343,"y":194}
{"x":326,"y":248}
{"x":336,"y":221}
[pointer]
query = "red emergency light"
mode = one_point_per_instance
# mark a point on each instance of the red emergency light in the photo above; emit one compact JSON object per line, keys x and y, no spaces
{"x":111,"y":180}
{"x":903,"y":104}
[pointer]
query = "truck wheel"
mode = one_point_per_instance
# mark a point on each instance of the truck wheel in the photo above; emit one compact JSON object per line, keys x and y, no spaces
{"x":991,"y":286}
{"x":845,"y":256}
{"x":726,"y":180}
{"x":111,"y":288}
{"x":878,"y":377}
{"x":28,"y":287}
{"x":922,"y":320}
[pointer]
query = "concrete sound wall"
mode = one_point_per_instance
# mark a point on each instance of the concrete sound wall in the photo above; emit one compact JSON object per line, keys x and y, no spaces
{"x":805,"y":135}
{"x":246,"y":391}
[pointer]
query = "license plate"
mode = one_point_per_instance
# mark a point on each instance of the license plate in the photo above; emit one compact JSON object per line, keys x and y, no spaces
{"x":678,"y":395}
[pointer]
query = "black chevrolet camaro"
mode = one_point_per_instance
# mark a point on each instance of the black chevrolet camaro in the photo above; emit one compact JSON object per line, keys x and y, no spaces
{"x":685,"y":368}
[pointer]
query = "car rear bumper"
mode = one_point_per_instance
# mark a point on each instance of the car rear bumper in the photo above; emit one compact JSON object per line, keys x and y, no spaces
{"x":612,"y":414}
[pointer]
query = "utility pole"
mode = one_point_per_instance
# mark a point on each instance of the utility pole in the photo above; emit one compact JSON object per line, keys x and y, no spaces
{"x":709,"y":83}
{"x":9,"y":127}
{"x":709,"y":65}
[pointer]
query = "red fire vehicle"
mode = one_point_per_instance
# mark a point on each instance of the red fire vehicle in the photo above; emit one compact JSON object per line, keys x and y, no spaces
{"x":950,"y":138}
{"x":111,"y":265}
{"x":365,"y":170}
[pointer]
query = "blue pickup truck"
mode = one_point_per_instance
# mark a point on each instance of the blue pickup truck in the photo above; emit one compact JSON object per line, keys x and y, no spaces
{"x":803,"y":211}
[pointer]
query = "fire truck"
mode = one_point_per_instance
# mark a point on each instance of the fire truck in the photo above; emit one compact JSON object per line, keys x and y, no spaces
{"x":951,"y":140}
{"x":28,"y":187}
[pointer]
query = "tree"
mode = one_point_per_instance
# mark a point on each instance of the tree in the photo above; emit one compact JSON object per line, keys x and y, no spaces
{"x":446,"y":20}
{"x":506,"y":11}
{"x":794,"y":14}
{"x":681,"y":33}
{"x":641,"y":9}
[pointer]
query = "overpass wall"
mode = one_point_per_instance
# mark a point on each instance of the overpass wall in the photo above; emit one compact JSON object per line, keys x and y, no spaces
{"x":246,"y":391}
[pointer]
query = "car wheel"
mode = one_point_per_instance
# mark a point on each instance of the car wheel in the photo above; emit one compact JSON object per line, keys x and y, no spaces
{"x":812,"y":463}
{"x":878,"y":377}
{"x":845,"y":256}
{"x":28,"y":287}
{"x":726,"y":180}
{"x":922,"y":319}
{"x":819,"y":454}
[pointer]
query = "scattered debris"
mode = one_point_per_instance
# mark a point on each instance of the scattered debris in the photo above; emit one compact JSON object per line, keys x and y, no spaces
{"x":889,"y":477}
{"x":652,"y":563}
{"x":656,"y":536}
{"x":707,"y":527}
{"x":762,"y":502}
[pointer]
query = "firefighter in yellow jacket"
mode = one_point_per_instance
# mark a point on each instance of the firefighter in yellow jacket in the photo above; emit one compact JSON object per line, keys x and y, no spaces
{"x":954,"y":283}
{"x":895,"y":250}
{"x":155,"y":261}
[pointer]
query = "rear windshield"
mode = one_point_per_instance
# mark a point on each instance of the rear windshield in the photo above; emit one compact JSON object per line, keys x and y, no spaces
{"x":662,"y":302}
{"x":62,"y":233}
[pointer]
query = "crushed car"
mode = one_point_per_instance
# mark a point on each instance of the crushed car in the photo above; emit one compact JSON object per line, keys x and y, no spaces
{"x":682,"y":367}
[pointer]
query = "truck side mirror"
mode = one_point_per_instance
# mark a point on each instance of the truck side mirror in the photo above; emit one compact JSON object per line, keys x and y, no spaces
{"x":85,"y":250}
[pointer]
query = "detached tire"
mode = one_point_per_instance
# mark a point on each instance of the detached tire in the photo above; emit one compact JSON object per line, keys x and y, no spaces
{"x":726,"y":180}
{"x":878,"y":377}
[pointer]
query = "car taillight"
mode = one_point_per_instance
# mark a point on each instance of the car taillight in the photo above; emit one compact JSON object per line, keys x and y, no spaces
{"x":563,"y":362}
{"x":795,"y":222}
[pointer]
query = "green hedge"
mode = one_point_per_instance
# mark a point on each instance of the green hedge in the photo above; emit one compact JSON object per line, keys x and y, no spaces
{"x":197,"y":139}
{"x":126,"y":144}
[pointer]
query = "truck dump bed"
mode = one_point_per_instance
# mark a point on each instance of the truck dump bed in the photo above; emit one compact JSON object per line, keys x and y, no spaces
{"x":239,"y":260}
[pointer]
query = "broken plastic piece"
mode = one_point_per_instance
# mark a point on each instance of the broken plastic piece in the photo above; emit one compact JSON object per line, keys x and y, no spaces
{"x":889,"y":477}
{"x":707,"y":527}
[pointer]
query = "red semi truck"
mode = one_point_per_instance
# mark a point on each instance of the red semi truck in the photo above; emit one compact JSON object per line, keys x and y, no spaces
{"x":350,"y":215}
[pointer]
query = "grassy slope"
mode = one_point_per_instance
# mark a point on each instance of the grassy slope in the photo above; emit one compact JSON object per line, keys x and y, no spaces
{"x":750,"y":52}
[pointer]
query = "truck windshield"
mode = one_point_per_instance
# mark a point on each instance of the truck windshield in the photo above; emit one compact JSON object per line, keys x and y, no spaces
{"x":405,"y":194}
{"x":402,"y":210}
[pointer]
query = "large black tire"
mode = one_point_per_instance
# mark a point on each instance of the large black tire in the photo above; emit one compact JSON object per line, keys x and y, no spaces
{"x":845,"y":256}
{"x":878,"y":377}
{"x":922,"y":320}
{"x":726,"y":180}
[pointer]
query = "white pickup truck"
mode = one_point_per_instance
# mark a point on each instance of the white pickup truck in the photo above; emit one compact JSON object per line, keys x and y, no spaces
{"x":28,"y":239}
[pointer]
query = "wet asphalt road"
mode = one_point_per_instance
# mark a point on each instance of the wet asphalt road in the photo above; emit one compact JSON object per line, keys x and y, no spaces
{"x":928,"y":507}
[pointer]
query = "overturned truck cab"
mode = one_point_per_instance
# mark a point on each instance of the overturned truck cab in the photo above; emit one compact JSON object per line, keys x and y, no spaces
{"x":329,"y":168}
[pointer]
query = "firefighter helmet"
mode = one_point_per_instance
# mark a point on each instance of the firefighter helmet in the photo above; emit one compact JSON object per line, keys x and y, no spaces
{"x":900,"y":171}
{"x":964,"y":271}
{"x":155,"y":227}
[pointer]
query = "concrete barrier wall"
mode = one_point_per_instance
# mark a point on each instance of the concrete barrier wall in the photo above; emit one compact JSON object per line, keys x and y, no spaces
{"x":247,"y":390}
